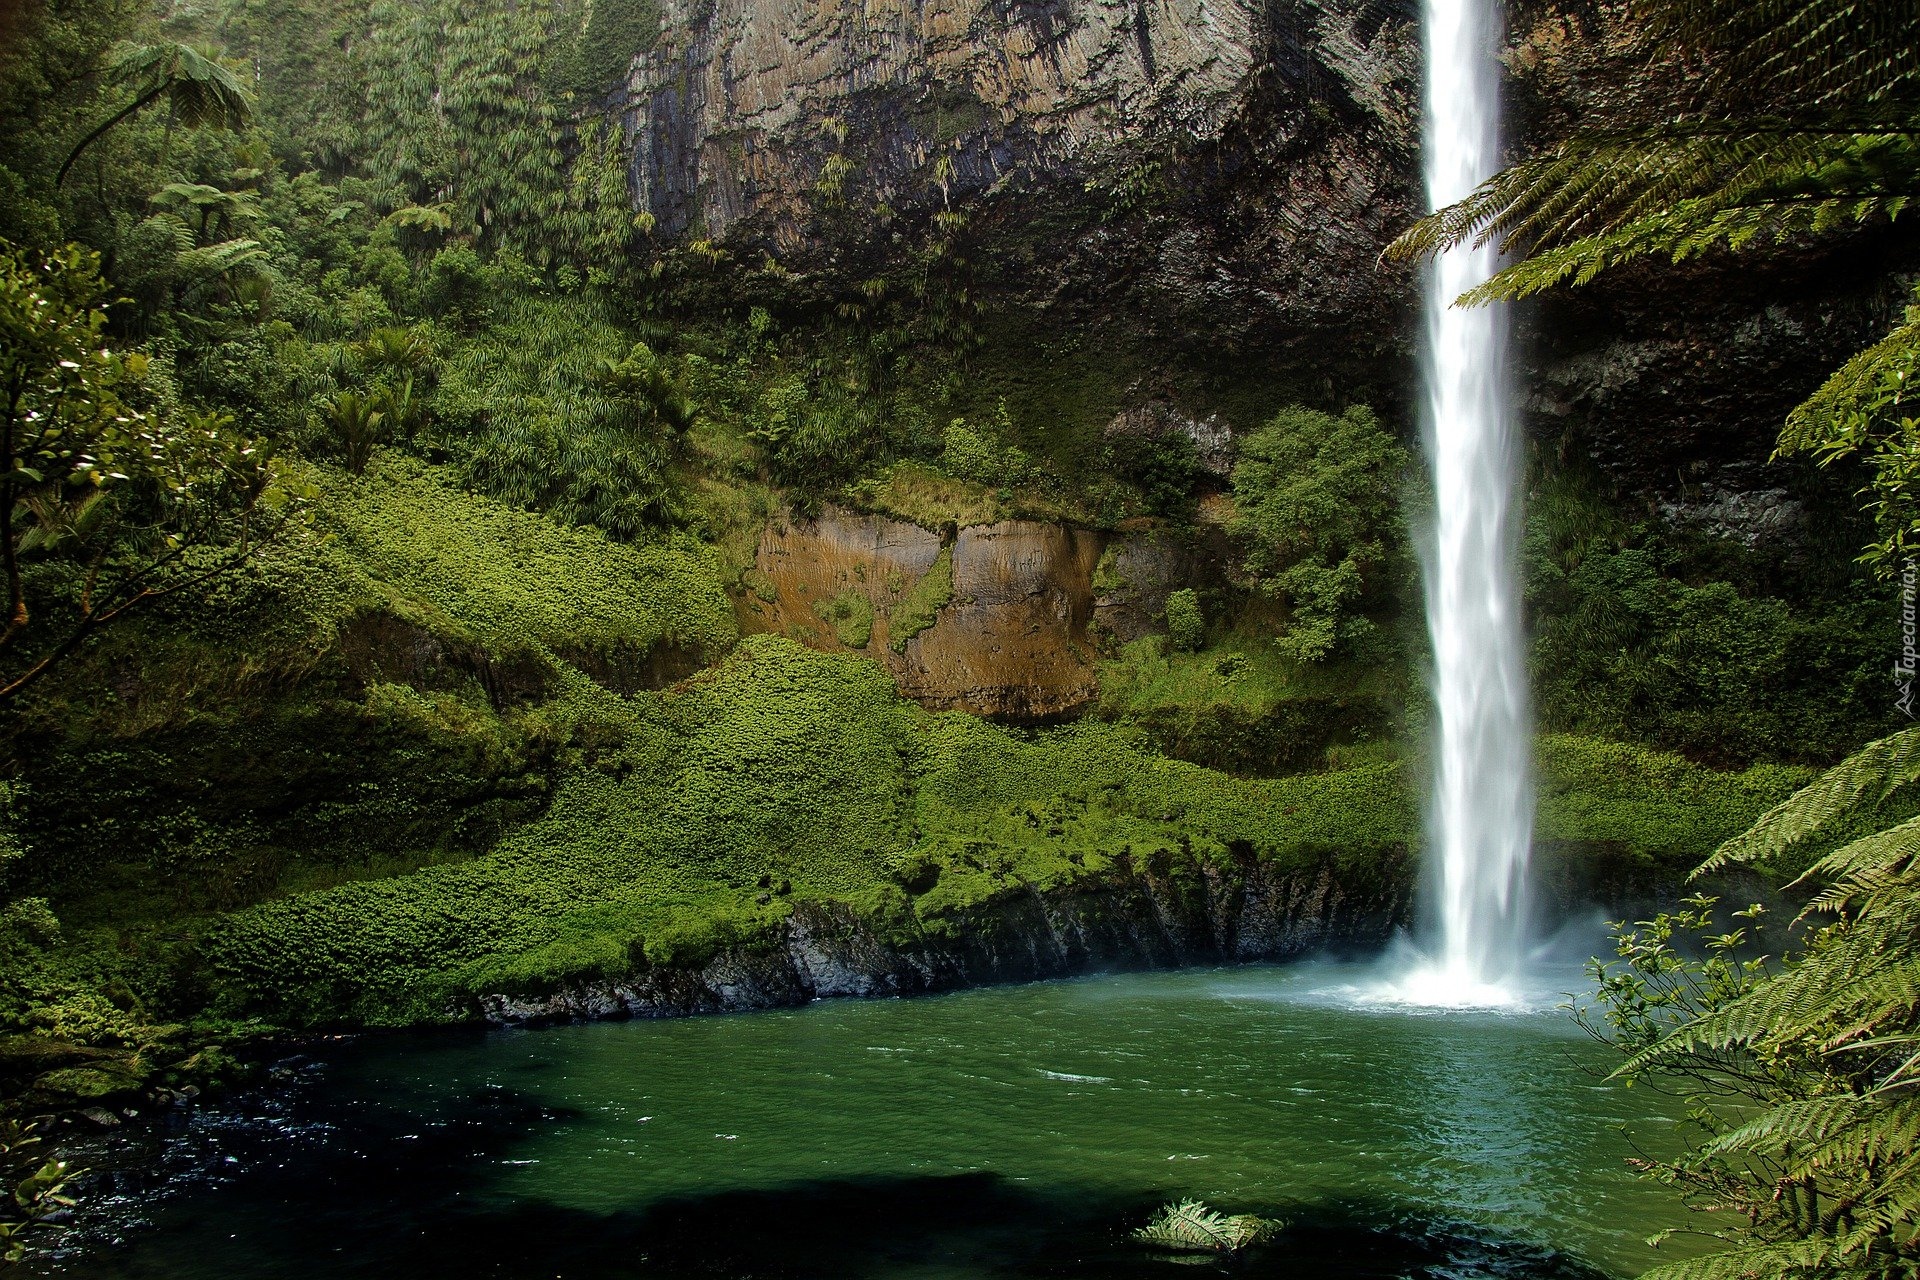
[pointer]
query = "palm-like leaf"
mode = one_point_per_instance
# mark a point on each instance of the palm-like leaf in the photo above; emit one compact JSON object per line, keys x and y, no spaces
{"x":200,"y":91}
{"x":1190,"y":1226}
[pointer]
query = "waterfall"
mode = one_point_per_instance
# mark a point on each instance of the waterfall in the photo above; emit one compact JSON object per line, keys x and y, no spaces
{"x":1481,"y":818}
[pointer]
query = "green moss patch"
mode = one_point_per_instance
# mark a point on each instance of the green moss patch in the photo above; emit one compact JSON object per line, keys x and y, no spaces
{"x":922,"y":606}
{"x":850,"y":614}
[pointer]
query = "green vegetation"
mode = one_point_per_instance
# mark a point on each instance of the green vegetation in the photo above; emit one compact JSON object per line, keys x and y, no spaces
{"x":922,"y":605}
{"x":807,"y":773}
{"x":36,"y":1188}
{"x":114,"y":498}
{"x":1243,"y":706}
{"x":605,"y":45}
{"x":1190,"y":1227}
{"x":968,"y":454}
{"x":1186,"y":624}
{"x":1651,"y":633}
{"x":429,"y":467}
{"x":850,"y":614}
{"x":1316,"y":503}
{"x":1814,"y":1168}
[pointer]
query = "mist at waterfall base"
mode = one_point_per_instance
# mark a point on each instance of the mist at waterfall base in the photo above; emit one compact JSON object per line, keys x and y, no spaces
{"x":1480,"y":818}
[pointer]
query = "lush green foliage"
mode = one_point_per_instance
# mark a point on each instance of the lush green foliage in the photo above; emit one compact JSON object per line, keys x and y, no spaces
{"x":972,"y":455}
{"x":604,"y":45}
{"x":1243,"y":706}
{"x":198,"y":90}
{"x":921,"y":606}
{"x":1648,"y":633}
{"x":1866,"y":412}
{"x":407,"y":543}
{"x":1316,"y":500}
{"x":695,"y":819}
{"x":1186,"y":624}
{"x":1802,"y":1072}
{"x":368,"y":691}
{"x":851,"y":616}
{"x":551,"y":406}
{"x":35,"y":1188}
{"x":114,"y":500}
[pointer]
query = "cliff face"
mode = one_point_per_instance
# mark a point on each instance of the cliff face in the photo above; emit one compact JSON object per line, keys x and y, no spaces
{"x":1219,"y":170}
{"x":1216,"y":176}
{"x":736,"y":111}
{"x":1017,"y":636}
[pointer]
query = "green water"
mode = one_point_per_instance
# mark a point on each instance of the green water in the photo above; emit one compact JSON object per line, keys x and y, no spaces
{"x":1008,"y":1131}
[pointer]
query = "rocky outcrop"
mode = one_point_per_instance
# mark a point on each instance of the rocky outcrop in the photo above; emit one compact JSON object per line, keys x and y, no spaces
{"x":1011,"y":640}
{"x":1671,"y":380}
{"x":1211,"y":437}
{"x":1136,"y":574}
{"x":1136,"y":917}
{"x":1221,"y":172}
{"x":735,"y":113}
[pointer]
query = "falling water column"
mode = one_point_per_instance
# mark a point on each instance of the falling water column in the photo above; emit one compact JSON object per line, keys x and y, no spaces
{"x":1481,"y":821}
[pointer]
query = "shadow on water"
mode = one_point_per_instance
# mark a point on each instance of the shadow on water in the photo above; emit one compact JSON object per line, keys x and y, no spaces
{"x":285,"y":1190}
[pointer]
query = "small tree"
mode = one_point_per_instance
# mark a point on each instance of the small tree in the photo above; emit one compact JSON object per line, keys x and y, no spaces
{"x":1315,"y":505}
{"x":143,"y":503}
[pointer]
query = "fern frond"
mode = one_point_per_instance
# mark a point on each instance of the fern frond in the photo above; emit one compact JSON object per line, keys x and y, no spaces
{"x":1781,"y":1259}
{"x":1869,"y":775}
{"x":1191,"y":1226}
{"x":1818,"y":51}
{"x":203,"y":92}
{"x":1813,"y":424}
{"x":218,"y":259}
{"x":1868,"y":865}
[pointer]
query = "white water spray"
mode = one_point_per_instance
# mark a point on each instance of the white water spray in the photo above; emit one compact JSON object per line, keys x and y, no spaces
{"x":1481,"y":820}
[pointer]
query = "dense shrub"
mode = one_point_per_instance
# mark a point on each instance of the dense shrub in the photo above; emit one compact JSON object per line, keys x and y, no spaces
{"x":1166,"y":469}
{"x":1629,"y":645}
{"x":1317,"y":506}
{"x":1186,"y":624}
{"x":536,"y":412}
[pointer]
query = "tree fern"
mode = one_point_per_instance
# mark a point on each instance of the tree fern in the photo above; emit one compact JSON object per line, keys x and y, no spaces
{"x":200,"y":92}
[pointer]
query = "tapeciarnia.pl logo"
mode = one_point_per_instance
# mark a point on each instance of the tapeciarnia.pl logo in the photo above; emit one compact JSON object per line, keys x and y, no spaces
{"x":1903,"y":671}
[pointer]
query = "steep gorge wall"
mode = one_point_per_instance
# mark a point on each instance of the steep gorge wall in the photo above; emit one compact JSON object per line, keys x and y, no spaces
{"x":1217,"y":176}
{"x":1214,"y":166}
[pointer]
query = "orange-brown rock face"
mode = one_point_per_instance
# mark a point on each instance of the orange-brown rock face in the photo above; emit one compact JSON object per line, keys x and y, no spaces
{"x":1014,"y":640}
{"x":1011,"y":641}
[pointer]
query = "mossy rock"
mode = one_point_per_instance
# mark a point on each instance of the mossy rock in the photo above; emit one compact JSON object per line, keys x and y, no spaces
{"x":109,"y":1078}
